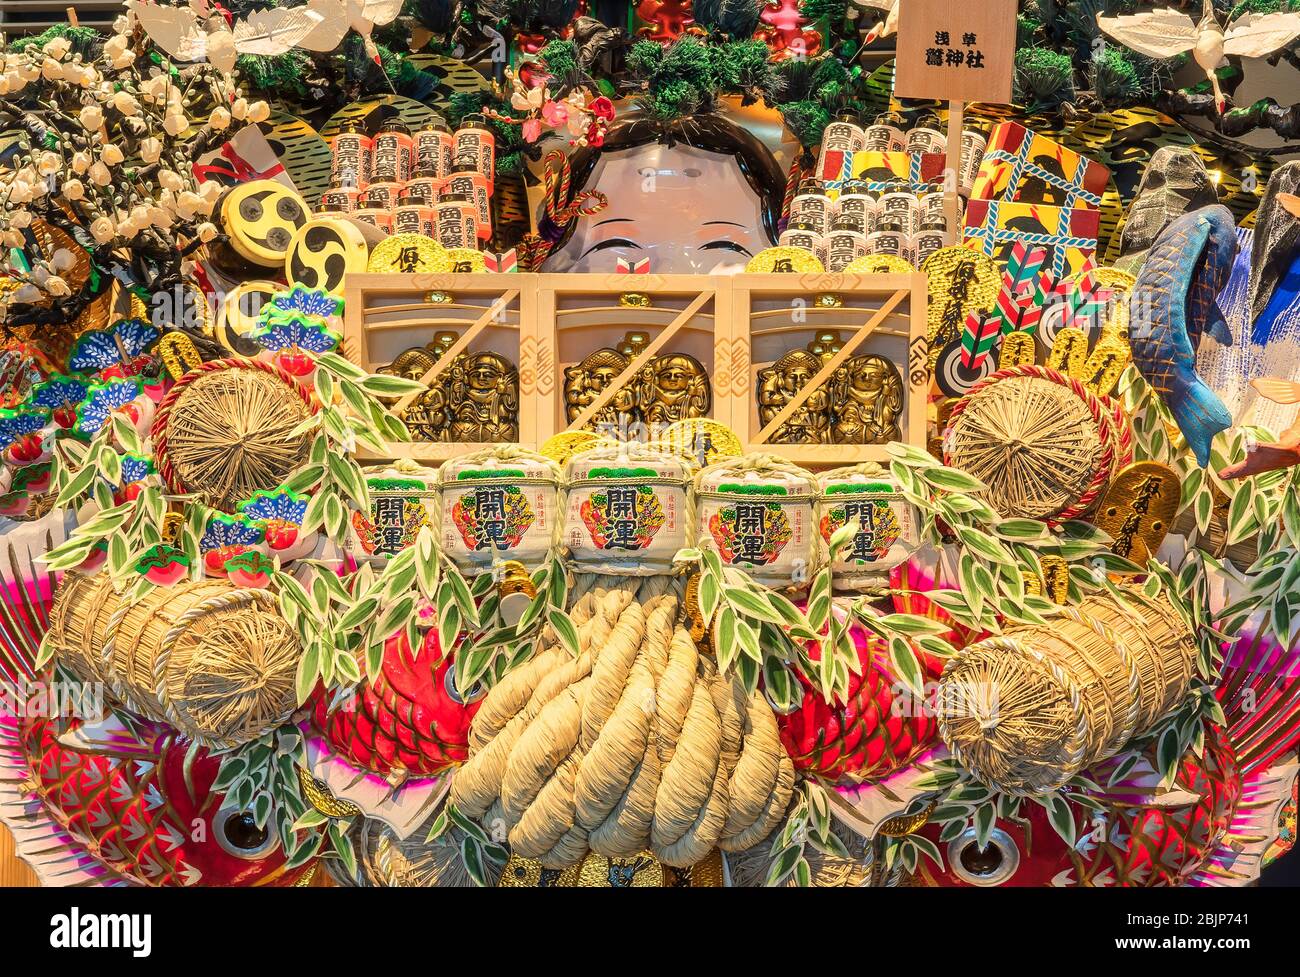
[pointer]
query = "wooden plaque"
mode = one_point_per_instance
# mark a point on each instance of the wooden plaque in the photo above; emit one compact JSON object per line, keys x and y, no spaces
{"x":960,"y":52}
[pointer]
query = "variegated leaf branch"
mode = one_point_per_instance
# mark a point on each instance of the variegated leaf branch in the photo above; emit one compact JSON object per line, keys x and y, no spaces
{"x":808,"y":822}
{"x":968,"y":803}
{"x":494,"y":647}
{"x":906,"y":853}
{"x":1251,"y":504}
{"x":89,"y":472}
{"x":997,"y":555}
{"x":481,"y":855}
{"x":351,"y":414}
{"x":759,"y":633}
{"x":314,"y":601}
{"x":262,"y":777}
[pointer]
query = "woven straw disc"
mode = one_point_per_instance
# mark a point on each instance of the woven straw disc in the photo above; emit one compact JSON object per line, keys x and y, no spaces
{"x":229,"y":435}
{"x":231,"y":670}
{"x":1031,"y":441}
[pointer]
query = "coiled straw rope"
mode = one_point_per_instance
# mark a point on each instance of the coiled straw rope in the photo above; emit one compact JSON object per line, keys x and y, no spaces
{"x":638,"y":743}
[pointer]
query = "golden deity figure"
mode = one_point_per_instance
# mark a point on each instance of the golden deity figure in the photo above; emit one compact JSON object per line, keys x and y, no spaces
{"x":410,"y":364}
{"x":426,"y":418}
{"x":868,"y":396}
{"x":585,"y":382}
{"x":483,"y":398}
{"x":810,"y":423}
{"x":674,"y":387}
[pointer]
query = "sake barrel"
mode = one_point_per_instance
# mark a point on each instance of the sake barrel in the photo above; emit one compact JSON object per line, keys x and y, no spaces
{"x":888,"y":525}
{"x":499,"y":504}
{"x":214,"y":661}
{"x":403,"y":500}
{"x":626,"y":509}
{"x":757,"y":512}
{"x":1029,"y":709}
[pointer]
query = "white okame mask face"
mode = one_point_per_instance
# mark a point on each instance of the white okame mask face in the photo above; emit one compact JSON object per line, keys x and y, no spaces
{"x":690,"y":211}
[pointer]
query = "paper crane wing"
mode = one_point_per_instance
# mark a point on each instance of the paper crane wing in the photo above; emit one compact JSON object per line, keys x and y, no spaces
{"x":1278,"y":391}
{"x":378,"y":12}
{"x":1258,"y":35}
{"x":174,"y":29}
{"x":326,"y":35}
{"x":1159,"y":33}
{"x":271,"y":32}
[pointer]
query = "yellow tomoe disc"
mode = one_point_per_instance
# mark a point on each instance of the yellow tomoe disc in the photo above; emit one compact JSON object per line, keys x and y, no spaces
{"x":407,"y":254}
{"x":784,"y":259}
{"x":261,"y":218}
{"x":324,"y":250}
{"x":879,"y":264}
{"x":243,"y":304}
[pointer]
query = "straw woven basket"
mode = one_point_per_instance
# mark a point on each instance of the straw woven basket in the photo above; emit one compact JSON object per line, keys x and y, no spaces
{"x":216,"y":662}
{"x":1028,"y":710}
{"x":1045,"y":446}
{"x":224,"y":431}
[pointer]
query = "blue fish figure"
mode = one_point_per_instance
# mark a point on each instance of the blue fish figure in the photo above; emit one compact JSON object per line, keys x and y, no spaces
{"x":1172,"y":305}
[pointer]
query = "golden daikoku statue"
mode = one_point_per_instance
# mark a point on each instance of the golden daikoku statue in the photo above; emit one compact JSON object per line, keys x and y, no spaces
{"x":671,"y":387}
{"x":861,"y":402}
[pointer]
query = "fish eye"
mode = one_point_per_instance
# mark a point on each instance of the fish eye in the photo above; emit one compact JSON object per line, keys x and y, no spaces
{"x":988,"y":866}
{"x":476,"y":692}
{"x":238,"y":835}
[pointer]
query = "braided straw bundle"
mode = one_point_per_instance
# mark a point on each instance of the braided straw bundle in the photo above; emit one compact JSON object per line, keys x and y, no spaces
{"x":1044,"y":444}
{"x":216,"y":662}
{"x":636,"y":744}
{"x":1030,"y":709}
{"x":224,"y":431}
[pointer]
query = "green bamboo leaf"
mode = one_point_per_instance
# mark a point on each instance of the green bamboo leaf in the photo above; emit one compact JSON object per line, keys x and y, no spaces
{"x":564,"y":630}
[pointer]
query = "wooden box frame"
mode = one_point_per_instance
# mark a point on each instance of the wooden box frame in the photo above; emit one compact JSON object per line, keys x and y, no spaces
{"x":504,"y":302}
{"x":892,"y":306}
{"x":679,"y":304}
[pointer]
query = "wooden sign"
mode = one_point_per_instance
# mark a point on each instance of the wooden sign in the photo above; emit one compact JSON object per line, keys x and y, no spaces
{"x":961,"y":52}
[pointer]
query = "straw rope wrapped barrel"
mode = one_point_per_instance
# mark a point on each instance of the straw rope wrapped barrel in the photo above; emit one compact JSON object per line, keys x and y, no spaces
{"x":1028,"y":710}
{"x":1043,"y":443}
{"x":216,"y":662}
{"x":637,"y":744}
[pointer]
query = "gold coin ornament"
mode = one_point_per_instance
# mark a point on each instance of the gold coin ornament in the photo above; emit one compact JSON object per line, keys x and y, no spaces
{"x":641,"y":871}
{"x":1069,"y":352}
{"x":880,"y":264}
{"x":527,"y":873}
{"x":701,"y":439}
{"x":1018,"y":349}
{"x":563,"y":446}
{"x":960,"y":281}
{"x":1138,"y":509}
{"x":705,"y":874}
{"x":460,"y":261}
{"x":324,"y":250}
{"x":1056,"y":578}
{"x":784,"y":259}
{"x":406,"y":254}
{"x":261,"y":218}
{"x":1105,"y":364}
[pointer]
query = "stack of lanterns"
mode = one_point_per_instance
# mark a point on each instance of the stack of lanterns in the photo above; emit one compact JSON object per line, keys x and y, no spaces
{"x":433,"y":182}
